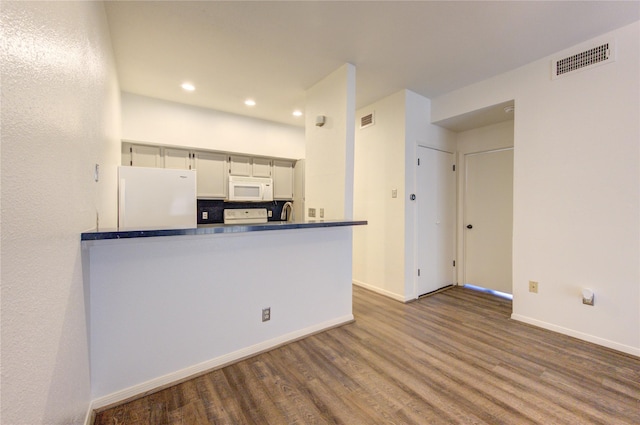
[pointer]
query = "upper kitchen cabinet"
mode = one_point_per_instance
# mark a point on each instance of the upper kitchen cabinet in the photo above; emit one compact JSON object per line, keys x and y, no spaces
{"x":282,"y":180}
{"x":141,"y":155}
{"x":240,"y":165}
{"x":213,"y":168}
{"x":249,"y":167}
{"x":261,"y":167}
{"x":177,"y":158}
{"x":211,"y":171}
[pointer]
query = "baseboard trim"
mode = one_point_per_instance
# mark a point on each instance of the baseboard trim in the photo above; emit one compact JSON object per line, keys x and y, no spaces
{"x":90,"y":417}
{"x":157,"y":384}
{"x":381,"y":291}
{"x":634,"y":351}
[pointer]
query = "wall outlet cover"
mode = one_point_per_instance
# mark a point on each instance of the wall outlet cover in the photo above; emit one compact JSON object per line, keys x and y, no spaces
{"x":266,"y":314}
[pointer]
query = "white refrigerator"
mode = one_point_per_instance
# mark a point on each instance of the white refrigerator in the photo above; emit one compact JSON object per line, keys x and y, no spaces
{"x":156,"y":198}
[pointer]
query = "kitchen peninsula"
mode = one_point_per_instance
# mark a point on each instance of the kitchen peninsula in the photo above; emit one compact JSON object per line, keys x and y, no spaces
{"x":167,"y":304}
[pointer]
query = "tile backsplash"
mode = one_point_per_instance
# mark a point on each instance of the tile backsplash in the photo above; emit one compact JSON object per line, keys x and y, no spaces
{"x":215,"y":208}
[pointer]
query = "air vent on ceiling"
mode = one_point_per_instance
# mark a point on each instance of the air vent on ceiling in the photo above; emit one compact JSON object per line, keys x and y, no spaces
{"x":367,"y":120}
{"x":599,"y":55}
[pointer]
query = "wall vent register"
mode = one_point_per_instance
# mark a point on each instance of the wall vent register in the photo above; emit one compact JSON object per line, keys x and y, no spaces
{"x":367,"y":120}
{"x":599,"y":55}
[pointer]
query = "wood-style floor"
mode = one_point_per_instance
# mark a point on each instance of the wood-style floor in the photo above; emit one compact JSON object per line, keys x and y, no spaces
{"x":452,"y":358}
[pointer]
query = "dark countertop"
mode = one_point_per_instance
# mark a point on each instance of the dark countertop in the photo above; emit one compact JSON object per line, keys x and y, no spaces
{"x":210,"y":229}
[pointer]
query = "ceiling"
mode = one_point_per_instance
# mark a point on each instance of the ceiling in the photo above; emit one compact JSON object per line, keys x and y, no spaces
{"x":273,"y":51}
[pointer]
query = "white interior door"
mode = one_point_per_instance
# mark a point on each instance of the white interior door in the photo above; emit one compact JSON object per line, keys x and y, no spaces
{"x":488,"y":219}
{"x":435,"y":197}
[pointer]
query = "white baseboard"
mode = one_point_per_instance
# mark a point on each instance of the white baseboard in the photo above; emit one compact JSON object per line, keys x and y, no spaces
{"x":634,"y":351}
{"x":90,"y":416}
{"x":381,"y":291}
{"x":216,"y":363}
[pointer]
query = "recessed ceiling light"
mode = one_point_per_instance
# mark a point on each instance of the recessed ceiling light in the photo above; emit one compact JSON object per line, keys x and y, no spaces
{"x":188,"y":86}
{"x":250,"y":102}
{"x":297,"y":113}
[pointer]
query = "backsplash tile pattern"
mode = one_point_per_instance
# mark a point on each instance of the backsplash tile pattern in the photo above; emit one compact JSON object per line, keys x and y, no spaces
{"x":215,"y":209}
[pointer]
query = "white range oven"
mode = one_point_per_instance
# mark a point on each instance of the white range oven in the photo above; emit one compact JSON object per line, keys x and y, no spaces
{"x":245,"y":216}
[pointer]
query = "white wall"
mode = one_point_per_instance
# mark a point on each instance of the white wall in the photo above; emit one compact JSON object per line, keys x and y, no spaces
{"x":165,"y":308}
{"x":378,"y":247}
{"x":482,"y":139}
{"x":156,"y":121}
{"x":386,"y":158}
{"x":60,"y":116}
{"x":576,"y":190}
{"x":329,"y":149}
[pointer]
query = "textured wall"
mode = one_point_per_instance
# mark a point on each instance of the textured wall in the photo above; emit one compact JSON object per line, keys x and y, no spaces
{"x":576,"y":190}
{"x":145,"y":119}
{"x":60,"y":116}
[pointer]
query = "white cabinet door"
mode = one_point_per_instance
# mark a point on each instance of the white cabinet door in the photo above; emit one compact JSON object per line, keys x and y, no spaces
{"x":211,"y":171}
{"x":240,"y":165}
{"x":282,"y":179}
{"x":261,"y":167}
{"x":177,"y":158}
{"x":145,"y":156}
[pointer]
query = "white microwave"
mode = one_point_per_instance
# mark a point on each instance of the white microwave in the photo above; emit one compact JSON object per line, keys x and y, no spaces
{"x":250,"y":189}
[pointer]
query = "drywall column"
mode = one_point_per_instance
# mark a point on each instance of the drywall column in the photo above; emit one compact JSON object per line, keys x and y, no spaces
{"x":60,"y":117}
{"x":329,"y":148}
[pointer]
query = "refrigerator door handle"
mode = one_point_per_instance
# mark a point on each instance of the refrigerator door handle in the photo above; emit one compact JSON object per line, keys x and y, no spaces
{"x":121,"y":205}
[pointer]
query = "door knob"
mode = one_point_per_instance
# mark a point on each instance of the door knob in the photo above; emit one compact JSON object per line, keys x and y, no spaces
{"x":469,"y":226}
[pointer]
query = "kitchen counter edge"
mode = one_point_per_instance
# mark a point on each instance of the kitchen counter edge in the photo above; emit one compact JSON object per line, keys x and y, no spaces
{"x":212,"y":229}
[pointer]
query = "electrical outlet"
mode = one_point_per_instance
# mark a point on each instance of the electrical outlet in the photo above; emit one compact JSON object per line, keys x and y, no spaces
{"x":269,"y":213}
{"x":321,"y":212}
{"x":533,"y":286}
{"x":205,"y":215}
{"x":266,"y":314}
{"x":312,"y":212}
{"x":394,"y":193}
